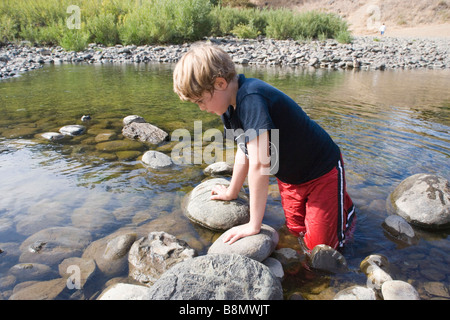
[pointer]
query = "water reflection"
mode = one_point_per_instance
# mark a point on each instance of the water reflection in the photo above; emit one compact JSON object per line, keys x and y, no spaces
{"x":389,"y":126}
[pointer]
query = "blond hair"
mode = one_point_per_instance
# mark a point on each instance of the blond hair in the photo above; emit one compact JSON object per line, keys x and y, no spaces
{"x":198,"y":69}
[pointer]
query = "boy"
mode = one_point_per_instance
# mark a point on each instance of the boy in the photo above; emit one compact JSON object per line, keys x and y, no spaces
{"x":309,"y":165}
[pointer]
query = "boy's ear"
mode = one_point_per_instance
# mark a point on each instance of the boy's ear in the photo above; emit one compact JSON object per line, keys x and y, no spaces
{"x":220,"y":83}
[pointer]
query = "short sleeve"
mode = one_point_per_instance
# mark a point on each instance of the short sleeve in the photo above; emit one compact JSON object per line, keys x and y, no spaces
{"x":254,"y":116}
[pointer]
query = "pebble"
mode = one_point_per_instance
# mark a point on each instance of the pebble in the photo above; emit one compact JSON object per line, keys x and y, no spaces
{"x":364,"y":52}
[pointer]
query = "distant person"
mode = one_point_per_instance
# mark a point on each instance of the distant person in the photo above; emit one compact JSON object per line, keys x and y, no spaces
{"x":382,"y":29}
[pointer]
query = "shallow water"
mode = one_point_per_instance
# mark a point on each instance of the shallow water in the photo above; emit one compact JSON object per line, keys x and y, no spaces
{"x":389,"y":125}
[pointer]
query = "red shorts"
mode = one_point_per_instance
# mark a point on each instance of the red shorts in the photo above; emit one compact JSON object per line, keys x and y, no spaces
{"x":320,"y":209}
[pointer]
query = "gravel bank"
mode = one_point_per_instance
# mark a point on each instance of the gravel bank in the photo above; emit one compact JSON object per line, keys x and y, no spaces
{"x":366,"y":53}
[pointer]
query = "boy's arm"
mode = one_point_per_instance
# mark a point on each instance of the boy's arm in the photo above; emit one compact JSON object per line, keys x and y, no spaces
{"x":258,"y":180}
{"x":240,"y":170}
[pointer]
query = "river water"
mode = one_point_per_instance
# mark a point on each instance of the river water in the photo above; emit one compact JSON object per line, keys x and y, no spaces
{"x":389,"y":125}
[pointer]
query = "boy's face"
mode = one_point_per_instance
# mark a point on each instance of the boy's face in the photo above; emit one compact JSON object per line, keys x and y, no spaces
{"x":217,"y":102}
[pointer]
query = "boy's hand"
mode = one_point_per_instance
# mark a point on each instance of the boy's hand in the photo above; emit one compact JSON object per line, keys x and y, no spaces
{"x":220,"y":192}
{"x":242,"y":231}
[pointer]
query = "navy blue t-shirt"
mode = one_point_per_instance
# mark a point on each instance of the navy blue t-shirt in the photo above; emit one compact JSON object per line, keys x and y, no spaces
{"x":302,"y":149}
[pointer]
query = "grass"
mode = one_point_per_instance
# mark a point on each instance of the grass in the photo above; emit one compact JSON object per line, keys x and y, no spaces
{"x":110,"y":22}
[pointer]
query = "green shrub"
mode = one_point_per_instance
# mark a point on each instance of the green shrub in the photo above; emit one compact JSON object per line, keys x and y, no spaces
{"x":139,"y":22}
{"x":281,"y":24}
{"x":318,"y":25}
{"x":245,"y":31}
{"x":344,"y":36}
{"x":74,"y":39}
{"x":163,"y":21}
{"x":8,"y":29}
{"x":103,"y":29}
{"x":225,"y":19}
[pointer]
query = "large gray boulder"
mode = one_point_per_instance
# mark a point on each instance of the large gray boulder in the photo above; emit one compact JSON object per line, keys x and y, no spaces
{"x":218,"y":277}
{"x":422,"y":200}
{"x":151,"y":256}
{"x":216,"y":215}
{"x":257,"y":247}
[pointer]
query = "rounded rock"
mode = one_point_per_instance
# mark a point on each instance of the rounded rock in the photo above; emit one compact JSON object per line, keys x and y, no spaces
{"x":156,"y":159}
{"x":72,"y":130}
{"x":133,"y":118}
{"x":257,"y":247}
{"x":60,"y":243}
{"x":52,"y":136}
{"x":218,"y":168}
{"x":216,"y":215}
{"x":356,"y":293}
{"x":398,"y":290}
{"x":125,"y":291}
{"x":218,"y":277}
{"x":422,"y":200}
{"x":325,"y":258}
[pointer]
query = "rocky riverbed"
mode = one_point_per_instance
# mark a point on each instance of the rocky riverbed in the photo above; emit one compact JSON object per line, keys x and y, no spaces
{"x":365,"y":53}
{"x":147,"y":261}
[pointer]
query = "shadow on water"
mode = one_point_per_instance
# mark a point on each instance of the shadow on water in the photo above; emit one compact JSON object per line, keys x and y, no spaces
{"x":389,"y":125}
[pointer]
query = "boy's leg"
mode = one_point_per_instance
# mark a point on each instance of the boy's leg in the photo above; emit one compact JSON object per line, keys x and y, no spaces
{"x":294,"y":206}
{"x":320,"y":210}
{"x":329,"y":210}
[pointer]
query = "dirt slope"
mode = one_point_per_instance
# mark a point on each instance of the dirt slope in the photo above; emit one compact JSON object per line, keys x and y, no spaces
{"x":419,"y":18}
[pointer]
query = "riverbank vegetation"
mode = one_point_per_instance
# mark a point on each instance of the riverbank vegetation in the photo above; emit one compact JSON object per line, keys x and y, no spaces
{"x":73,"y":24}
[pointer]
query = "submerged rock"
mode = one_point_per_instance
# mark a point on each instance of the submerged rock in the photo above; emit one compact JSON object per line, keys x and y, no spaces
{"x":216,"y":215}
{"x":118,"y":145}
{"x":70,"y":266}
{"x":399,"y":229}
{"x":42,"y":290}
{"x":31,"y":271}
{"x":422,"y":200}
{"x":257,"y":247}
{"x":218,"y":277}
{"x":111,"y":252}
{"x":156,"y":159}
{"x":60,"y":243}
{"x":327,"y":259}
